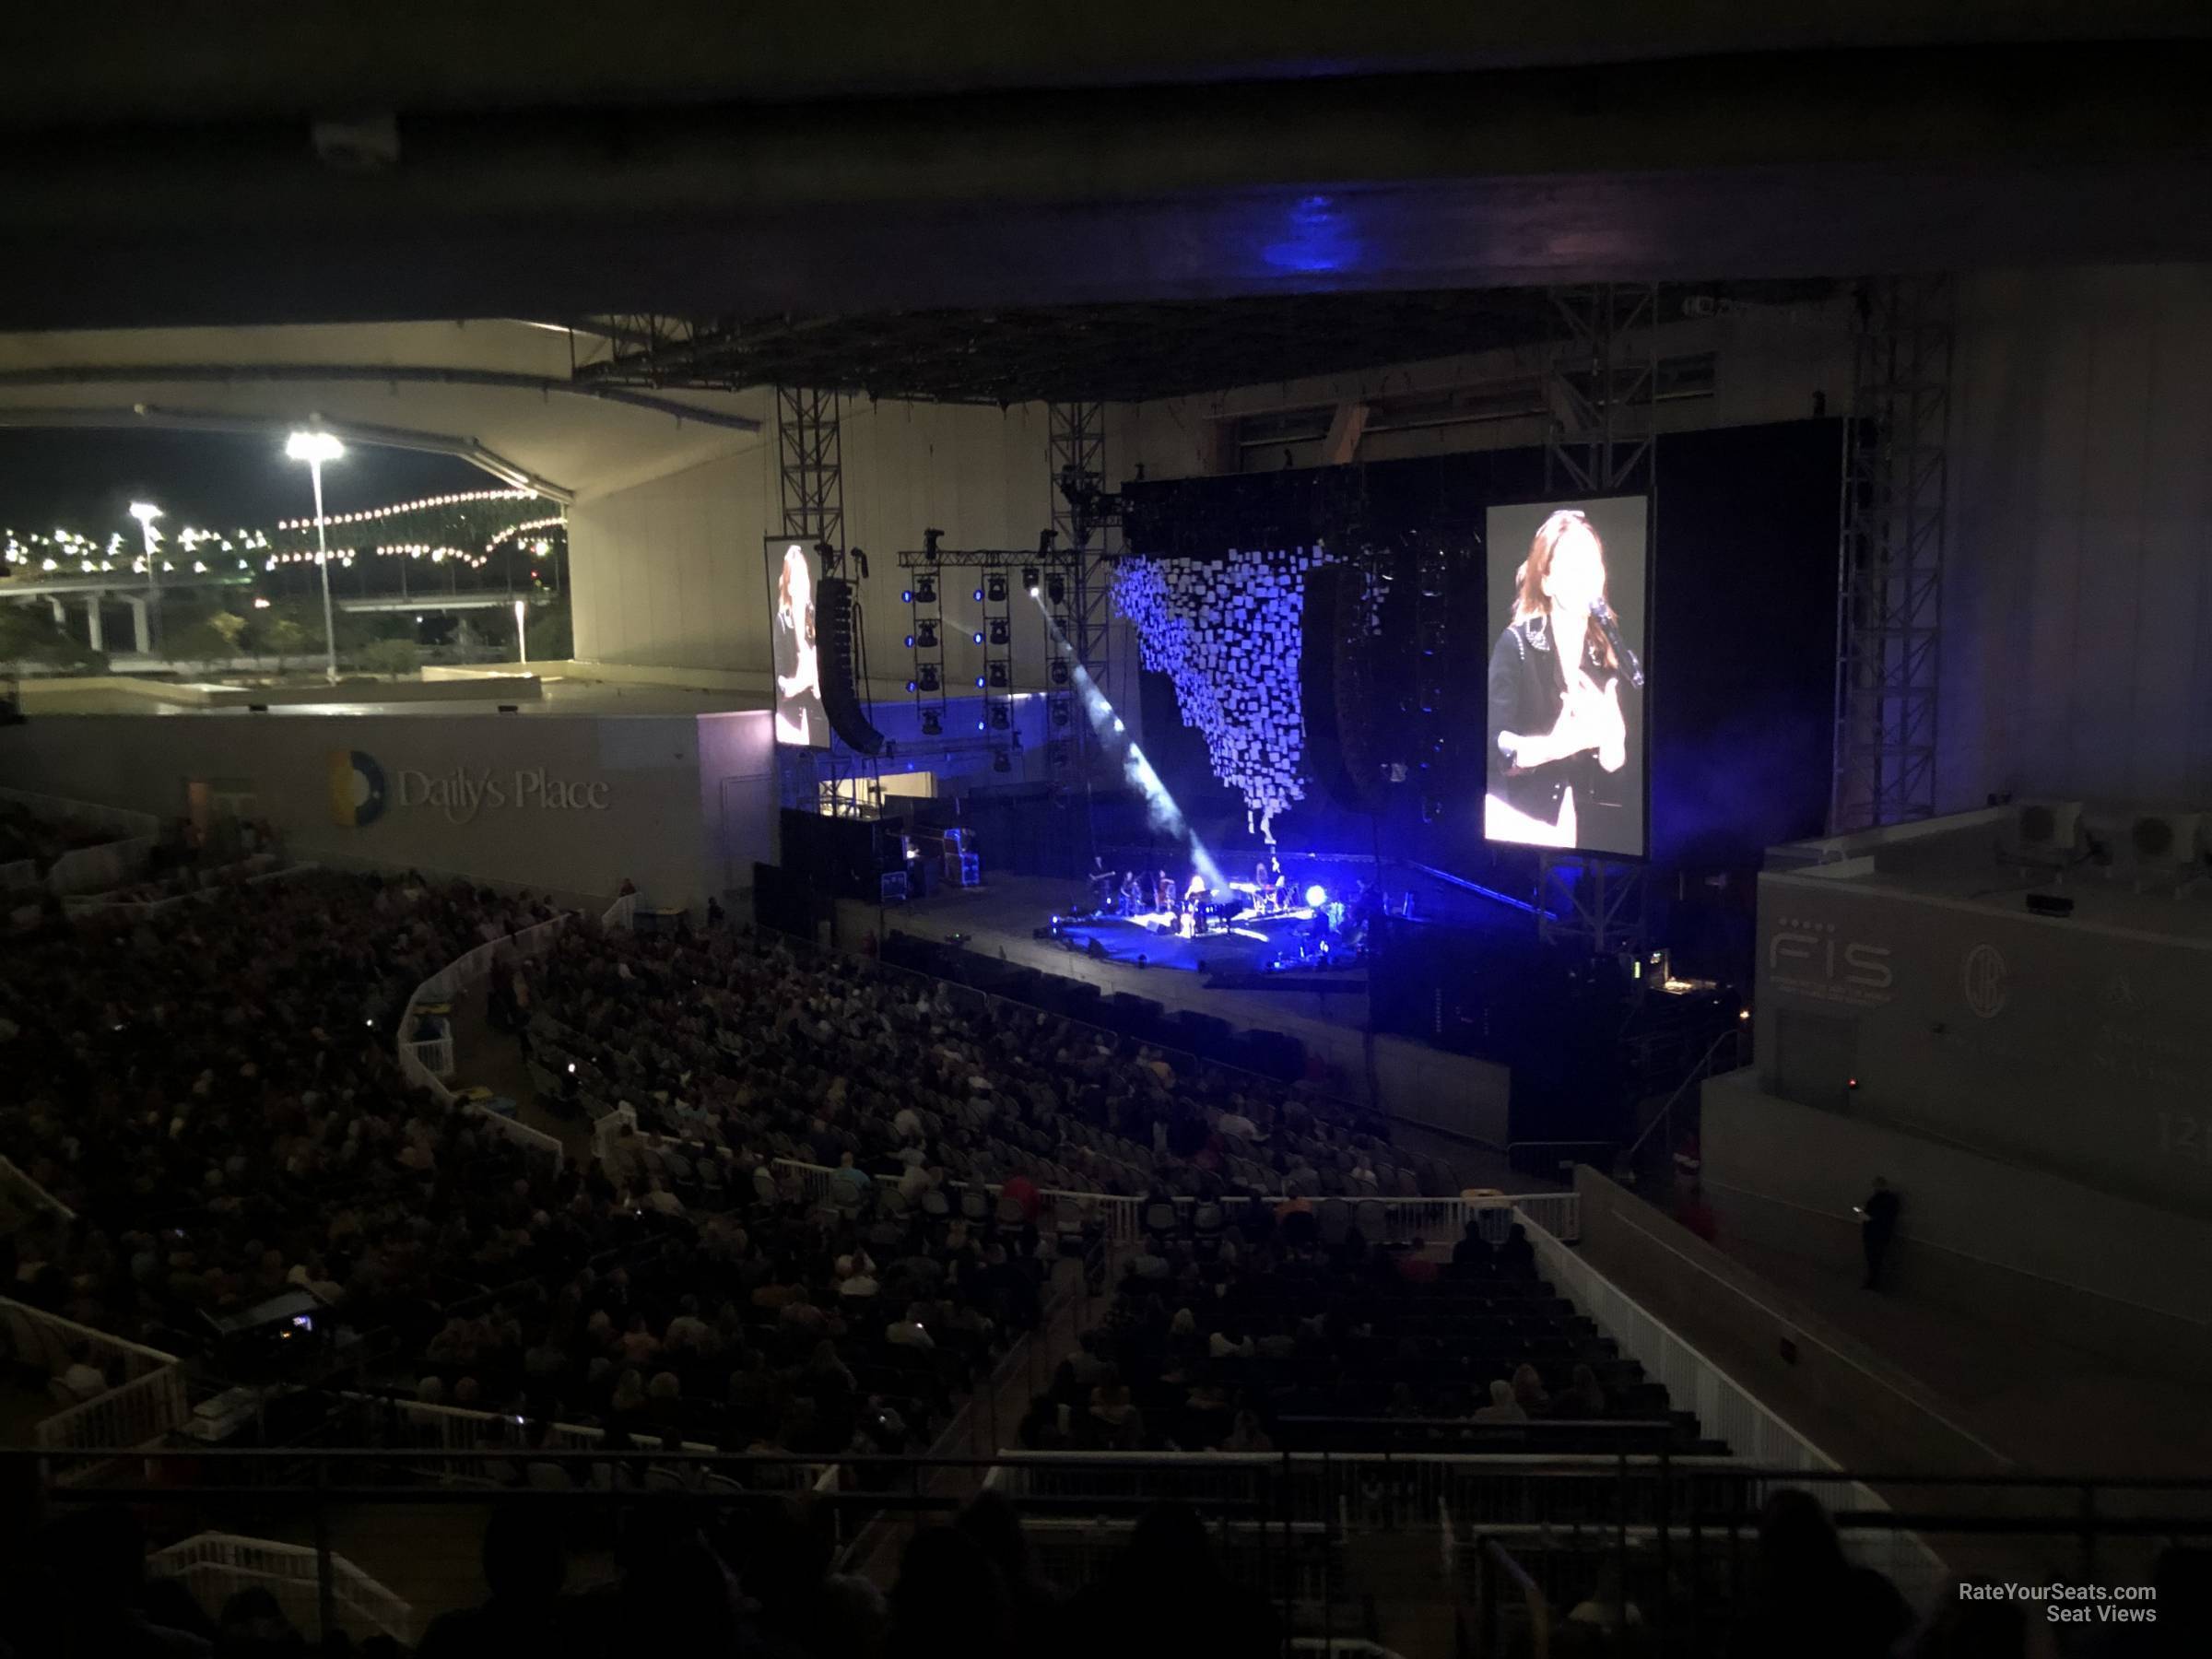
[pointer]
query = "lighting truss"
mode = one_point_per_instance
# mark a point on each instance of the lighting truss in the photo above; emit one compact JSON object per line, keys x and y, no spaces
{"x":927,"y":632}
{"x":811,"y":491}
{"x":1087,"y":540}
{"x":1600,"y":385}
{"x":997,"y":686}
{"x":1889,"y":561}
{"x":1432,"y":671}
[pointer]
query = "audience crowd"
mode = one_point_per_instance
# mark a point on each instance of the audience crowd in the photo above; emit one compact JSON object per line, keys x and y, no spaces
{"x":213,"y":1090}
{"x":743,"y":1044}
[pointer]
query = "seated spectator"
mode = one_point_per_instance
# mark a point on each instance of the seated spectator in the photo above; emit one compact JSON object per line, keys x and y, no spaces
{"x":1806,"y":1598}
{"x":1585,"y":1398}
{"x":83,"y":1380}
{"x":1167,"y":1597}
{"x":1529,"y":1391}
{"x":1503,"y":1407}
{"x":1472,"y":1251}
{"x":949,"y":1601}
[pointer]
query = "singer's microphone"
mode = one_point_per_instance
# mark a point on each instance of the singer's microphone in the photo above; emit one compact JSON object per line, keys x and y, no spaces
{"x":1602,"y":614}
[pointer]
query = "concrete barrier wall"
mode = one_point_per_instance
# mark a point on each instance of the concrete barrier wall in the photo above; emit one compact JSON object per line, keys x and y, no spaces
{"x":1842,"y":1396}
{"x":1998,"y":1240}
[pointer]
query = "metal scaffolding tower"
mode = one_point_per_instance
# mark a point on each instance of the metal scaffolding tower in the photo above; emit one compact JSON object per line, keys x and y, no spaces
{"x":811,"y":488}
{"x":1889,"y":562}
{"x":1600,"y":385}
{"x":1083,"y":544}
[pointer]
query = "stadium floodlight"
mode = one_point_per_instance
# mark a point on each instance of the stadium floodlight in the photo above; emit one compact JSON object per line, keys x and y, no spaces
{"x":315,"y":448}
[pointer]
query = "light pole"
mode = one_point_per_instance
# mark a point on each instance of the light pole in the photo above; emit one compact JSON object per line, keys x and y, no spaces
{"x":522,"y":634}
{"x":146,"y":512}
{"x":314,"y":448}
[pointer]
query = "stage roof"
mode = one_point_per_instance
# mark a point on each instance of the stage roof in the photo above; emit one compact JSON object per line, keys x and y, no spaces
{"x":563,"y":159}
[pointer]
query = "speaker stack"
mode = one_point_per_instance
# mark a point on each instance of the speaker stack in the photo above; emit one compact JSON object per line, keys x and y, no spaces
{"x":841,"y":694}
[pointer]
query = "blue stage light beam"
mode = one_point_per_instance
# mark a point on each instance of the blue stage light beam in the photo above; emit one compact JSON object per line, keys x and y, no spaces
{"x":1159,"y":805}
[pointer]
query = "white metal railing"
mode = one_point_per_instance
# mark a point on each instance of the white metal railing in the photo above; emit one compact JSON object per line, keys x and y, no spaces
{"x":22,"y":1190}
{"x":37,"y":1337}
{"x":216,"y":1566}
{"x":147,"y":1404}
{"x":428,"y":1064}
{"x":1726,"y":1411}
{"x":455,"y":1431}
{"x":1436,"y":1221}
{"x":136,"y":1414}
{"x":1357,"y":1491}
{"x":121,"y":821}
{"x":206,"y":886}
{"x":622,"y":914}
{"x":95,"y":868}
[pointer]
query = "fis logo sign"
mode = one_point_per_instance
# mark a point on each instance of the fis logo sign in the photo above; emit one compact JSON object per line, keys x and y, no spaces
{"x":1810,"y":957}
{"x":356,"y":788}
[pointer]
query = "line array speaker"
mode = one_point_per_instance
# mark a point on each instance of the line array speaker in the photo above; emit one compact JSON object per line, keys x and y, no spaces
{"x":1334,"y":680}
{"x":841,"y":695}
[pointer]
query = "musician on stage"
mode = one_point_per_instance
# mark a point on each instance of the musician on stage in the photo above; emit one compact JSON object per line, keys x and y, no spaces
{"x":1101,"y":883}
{"x":1164,"y":892}
{"x":1133,"y":897}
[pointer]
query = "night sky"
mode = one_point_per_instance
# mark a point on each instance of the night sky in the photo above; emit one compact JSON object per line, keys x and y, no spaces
{"x":84,"y":480}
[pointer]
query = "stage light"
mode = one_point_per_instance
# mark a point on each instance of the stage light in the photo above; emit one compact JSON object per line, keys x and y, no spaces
{"x":909,"y":646}
{"x":907,"y":597}
{"x":1059,"y":711}
{"x":1059,"y":672}
{"x":998,"y":675}
{"x":1118,"y":725}
{"x":929,"y":676}
{"x":1055,"y":589}
{"x":980,"y":682}
{"x":929,"y":636}
{"x":1001,"y":633}
{"x":1029,"y":579}
{"x":933,"y":725}
{"x":1317,"y":896}
{"x":998,"y":719}
{"x":979,"y":639}
{"x":979,"y":595}
{"x":1742,"y":1014}
{"x":911,"y":687}
{"x":997,"y":585}
{"x":1001,"y":762}
{"x":925,"y":591}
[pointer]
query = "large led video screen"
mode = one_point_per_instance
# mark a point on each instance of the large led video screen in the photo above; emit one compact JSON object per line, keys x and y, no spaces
{"x":1566,"y":757}
{"x":794,"y":574}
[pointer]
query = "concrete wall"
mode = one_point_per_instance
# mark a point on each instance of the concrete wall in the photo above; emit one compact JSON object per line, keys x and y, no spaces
{"x":644,"y":773}
{"x":2066,"y":1043}
{"x":1999,"y":1240}
{"x":2078,"y":594}
{"x":1828,"y":1386}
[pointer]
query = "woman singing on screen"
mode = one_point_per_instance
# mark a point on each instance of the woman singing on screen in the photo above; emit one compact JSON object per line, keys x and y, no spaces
{"x":1557,"y":729}
{"x":799,"y":717}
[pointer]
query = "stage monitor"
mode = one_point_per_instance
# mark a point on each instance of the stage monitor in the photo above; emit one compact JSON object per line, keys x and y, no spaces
{"x":794,"y":572}
{"x":1568,"y":584}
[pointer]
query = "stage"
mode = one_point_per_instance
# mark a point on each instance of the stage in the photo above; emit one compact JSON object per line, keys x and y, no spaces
{"x":1458,"y":1094}
{"x":1254,"y":951}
